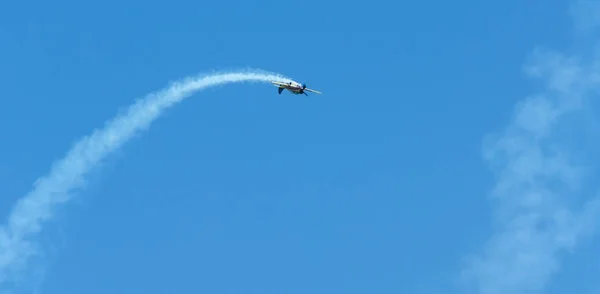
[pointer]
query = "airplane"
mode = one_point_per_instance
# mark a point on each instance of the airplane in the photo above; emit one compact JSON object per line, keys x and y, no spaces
{"x":294,"y":87}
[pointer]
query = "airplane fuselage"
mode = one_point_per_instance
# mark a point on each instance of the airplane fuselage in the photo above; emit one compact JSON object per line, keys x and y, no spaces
{"x":295,"y":89}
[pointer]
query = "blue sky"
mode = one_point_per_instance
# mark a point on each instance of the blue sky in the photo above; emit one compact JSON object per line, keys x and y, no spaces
{"x":452,"y":150}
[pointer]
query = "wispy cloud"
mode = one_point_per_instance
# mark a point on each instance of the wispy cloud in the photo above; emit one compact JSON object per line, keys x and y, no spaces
{"x":17,"y":237}
{"x":536,"y":214}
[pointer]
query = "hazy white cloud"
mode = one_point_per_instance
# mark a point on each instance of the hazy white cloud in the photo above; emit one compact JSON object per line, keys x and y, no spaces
{"x":536,"y":214}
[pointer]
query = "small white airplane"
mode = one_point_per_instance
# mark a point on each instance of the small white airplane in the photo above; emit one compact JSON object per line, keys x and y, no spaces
{"x":294,"y":87}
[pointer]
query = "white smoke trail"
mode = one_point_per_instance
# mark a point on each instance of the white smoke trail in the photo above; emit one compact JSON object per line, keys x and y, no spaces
{"x":68,"y":174}
{"x":540,"y":181}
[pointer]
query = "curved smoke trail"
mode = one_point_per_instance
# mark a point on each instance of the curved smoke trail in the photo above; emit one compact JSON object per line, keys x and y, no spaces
{"x":66,"y":175}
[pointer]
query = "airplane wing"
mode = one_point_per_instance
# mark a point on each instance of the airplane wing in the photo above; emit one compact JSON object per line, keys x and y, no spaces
{"x":311,"y":90}
{"x":278,"y":83}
